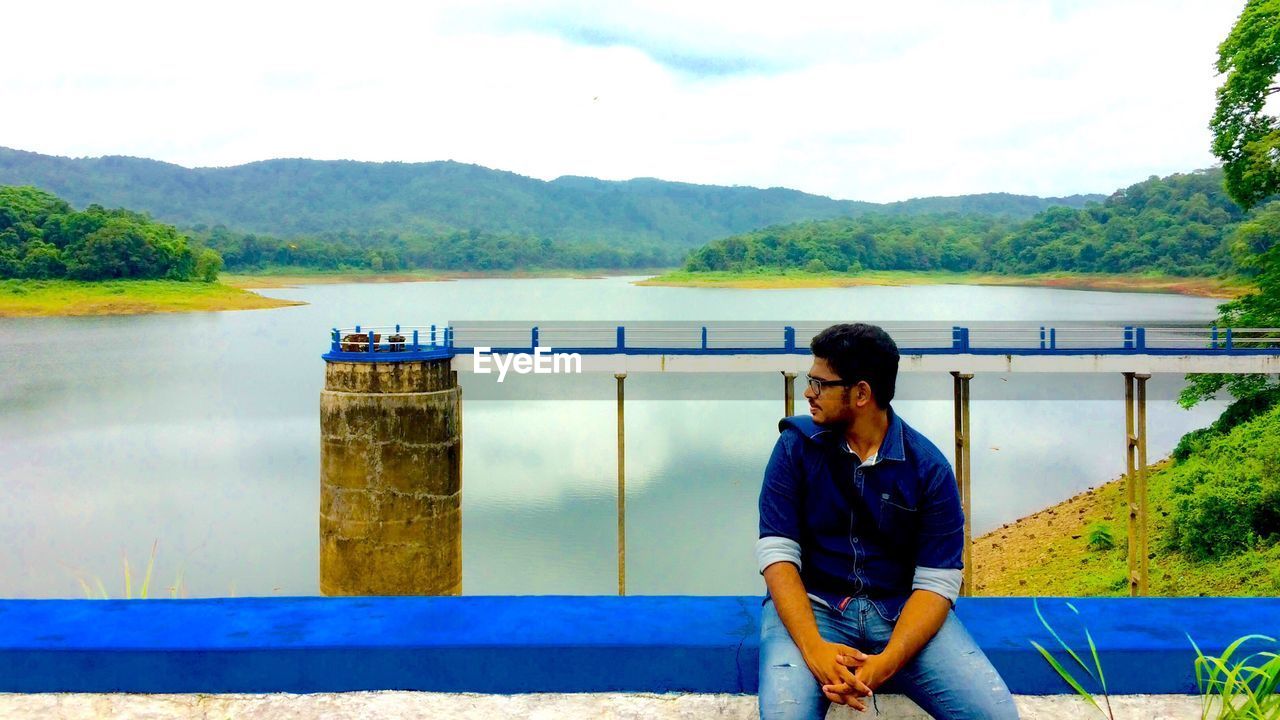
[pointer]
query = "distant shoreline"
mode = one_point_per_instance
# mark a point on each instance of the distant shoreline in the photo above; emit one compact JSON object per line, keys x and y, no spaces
{"x":69,"y":298}
{"x":1200,"y":287}
{"x":295,"y":278}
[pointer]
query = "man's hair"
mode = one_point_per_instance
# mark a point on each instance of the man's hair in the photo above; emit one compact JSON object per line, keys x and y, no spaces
{"x":858,"y":351}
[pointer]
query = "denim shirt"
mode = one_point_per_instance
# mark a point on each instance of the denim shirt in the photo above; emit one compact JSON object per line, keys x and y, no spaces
{"x":878,"y":530}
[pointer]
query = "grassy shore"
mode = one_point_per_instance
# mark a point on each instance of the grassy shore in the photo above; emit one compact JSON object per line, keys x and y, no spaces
{"x":1048,"y":553}
{"x":43,"y":298}
{"x":1204,"y":287}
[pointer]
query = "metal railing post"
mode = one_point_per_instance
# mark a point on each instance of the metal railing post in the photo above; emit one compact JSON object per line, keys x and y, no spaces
{"x":1143,"y":559}
{"x":622,"y":488}
{"x":1129,"y":490}
{"x":960,"y":385}
{"x":1135,"y":458}
{"x":788,"y":393}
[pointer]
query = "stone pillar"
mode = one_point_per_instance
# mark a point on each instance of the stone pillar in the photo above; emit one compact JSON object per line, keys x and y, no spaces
{"x":390,"y":479}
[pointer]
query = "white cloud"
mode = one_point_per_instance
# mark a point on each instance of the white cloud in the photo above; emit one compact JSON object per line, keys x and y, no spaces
{"x":879,"y":103}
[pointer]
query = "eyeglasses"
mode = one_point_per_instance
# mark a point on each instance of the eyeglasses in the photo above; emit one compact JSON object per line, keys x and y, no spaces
{"x":817,"y":384}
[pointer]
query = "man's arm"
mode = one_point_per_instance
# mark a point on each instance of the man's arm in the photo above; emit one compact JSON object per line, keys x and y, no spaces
{"x":828,"y":662}
{"x":778,"y":554}
{"x":921,"y":617}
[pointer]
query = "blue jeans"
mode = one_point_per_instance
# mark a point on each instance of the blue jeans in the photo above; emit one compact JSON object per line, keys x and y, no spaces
{"x":950,"y":678}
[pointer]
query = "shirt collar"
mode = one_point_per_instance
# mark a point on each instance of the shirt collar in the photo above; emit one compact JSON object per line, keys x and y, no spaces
{"x":891,"y":447}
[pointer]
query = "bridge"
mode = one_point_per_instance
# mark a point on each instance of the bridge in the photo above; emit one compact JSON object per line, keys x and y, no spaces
{"x":784,"y":347}
{"x":359,"y":358}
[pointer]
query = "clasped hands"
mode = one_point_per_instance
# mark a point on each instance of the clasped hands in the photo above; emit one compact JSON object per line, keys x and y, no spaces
{"x":846,"y":674}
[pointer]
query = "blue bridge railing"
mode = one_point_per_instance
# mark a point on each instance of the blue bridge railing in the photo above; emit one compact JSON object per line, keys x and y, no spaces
{"x":397,"y":343}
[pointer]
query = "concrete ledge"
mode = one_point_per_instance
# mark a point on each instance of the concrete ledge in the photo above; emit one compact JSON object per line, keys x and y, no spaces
{"x":545,"y":644}
{"x":602,"y":706}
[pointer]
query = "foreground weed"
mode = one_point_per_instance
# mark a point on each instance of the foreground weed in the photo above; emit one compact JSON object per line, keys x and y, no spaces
{"x":1065,"y":674}
{"x":1244,"y":688}
{"x":143,"y":591}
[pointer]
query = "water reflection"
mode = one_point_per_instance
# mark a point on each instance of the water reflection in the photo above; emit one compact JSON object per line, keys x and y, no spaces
{"x":202,"y":431}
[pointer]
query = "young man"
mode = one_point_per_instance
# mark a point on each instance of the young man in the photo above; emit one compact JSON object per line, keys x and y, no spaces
{"x":861,"y":534}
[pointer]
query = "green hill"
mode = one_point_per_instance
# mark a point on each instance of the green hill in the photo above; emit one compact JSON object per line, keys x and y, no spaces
{"x":1177,"y":225}
{"x":292,"y":198}
{"x":43,"y":238}
{"x":1214,"y":527}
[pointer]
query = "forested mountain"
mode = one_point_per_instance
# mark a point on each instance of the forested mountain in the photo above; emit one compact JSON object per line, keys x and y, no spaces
{"x":292,"y":198}
{"x":1179,"y":225}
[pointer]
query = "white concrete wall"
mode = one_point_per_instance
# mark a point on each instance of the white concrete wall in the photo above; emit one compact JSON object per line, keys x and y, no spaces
{"x":388,"y":704}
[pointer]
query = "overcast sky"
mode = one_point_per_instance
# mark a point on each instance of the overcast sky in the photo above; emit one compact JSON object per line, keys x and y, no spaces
{"x":867,"y":101}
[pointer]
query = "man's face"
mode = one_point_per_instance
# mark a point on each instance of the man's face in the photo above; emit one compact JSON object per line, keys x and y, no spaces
{"x":836,"y":404}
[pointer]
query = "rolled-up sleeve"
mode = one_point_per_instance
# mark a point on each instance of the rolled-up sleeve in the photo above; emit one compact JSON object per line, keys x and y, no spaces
{"x":779,"y":510}
{"x":939,"y":555}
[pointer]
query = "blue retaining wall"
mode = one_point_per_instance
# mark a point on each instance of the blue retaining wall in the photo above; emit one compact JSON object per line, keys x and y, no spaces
{"x":546,"y":643}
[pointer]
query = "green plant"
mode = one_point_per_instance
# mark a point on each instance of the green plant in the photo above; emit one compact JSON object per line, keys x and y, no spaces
{"x":1239,"y":689}
{"x":1246,"y":689}
{"x":1066,"y":674}
{"x":1101,"y":538}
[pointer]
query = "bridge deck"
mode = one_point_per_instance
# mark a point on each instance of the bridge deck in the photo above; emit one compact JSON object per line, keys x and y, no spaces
{"x":771,"y":347}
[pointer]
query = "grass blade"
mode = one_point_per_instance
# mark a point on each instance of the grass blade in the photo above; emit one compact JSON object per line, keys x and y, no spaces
{"x":128,"y":579}
{"x":1054,"y":633}
{"x":151,"y":563}
{"x":1062,"y":672}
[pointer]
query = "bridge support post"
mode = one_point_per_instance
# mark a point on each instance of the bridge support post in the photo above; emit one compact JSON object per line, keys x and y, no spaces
{"x":390,"y":479}
{"x":960,"y":384}
{"x":1136,"y":478}
{"x":788,"y":393}
{"x":622,"y":488}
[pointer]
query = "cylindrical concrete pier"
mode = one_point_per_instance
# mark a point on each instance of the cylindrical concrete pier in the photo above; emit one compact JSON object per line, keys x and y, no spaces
{"x":390,"y":479}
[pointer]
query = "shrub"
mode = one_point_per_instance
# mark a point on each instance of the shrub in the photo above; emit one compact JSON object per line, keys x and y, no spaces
{"x":208,"y":263}
{"x":1100,"y":537}
{"x":1227,"y":492}
{"x":1194,"y":442}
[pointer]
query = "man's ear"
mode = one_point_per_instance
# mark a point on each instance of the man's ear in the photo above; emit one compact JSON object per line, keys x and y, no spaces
{"x":862,"y":393}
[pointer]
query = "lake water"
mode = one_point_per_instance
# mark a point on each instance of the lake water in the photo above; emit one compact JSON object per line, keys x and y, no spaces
{"x":200,"y":432}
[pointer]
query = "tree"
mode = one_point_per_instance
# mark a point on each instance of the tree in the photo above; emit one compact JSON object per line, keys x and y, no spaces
{"x":208,"y":263}
{"x":1248,"y":141}
{"x":1245,"y":137}
{"x":42,"y":262}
